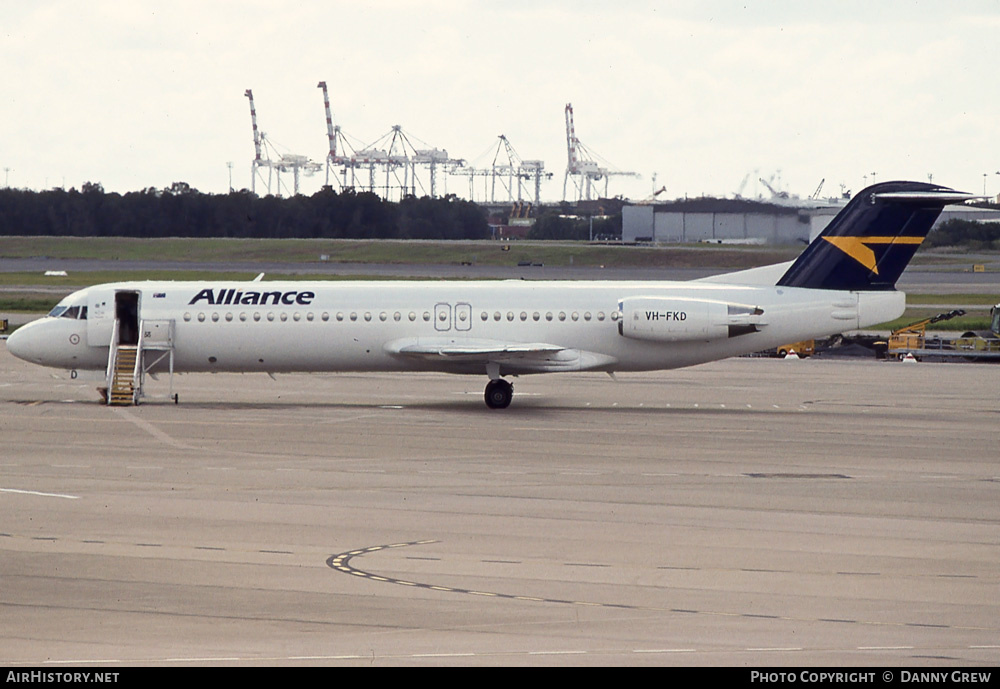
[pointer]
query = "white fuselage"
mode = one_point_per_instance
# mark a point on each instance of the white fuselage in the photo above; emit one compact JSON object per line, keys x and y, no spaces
{"x":516,"y":326}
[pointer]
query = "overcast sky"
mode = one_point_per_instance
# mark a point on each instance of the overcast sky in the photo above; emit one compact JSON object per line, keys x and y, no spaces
{"x":701,"y":94}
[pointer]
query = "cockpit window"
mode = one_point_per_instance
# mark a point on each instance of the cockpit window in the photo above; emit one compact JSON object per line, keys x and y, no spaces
{"x":74,"y":312}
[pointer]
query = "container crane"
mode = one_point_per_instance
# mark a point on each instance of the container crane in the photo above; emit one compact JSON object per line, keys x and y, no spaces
{"x":394,"y":153}
{"x":258,"y":144}
{"x":581,"y":165}
{"x":336,"y":142}
{"x":296,"y":164}
{"x":510,"y":170}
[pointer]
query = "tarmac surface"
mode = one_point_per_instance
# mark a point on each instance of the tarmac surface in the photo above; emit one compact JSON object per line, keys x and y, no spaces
{"x":749,"y":512}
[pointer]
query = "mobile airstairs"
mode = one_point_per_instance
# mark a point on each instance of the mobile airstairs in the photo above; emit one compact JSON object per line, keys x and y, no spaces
{"x":131,"y":359}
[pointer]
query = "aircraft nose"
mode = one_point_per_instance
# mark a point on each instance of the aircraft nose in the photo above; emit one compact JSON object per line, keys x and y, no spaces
{"x":20,"y":343}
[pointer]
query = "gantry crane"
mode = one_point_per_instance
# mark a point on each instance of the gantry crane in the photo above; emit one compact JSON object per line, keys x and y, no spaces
{"x":581,"y":165}
{"x":510,"y":170}
{"x":394,"y":153}
{"x":337,"y":142}
{"x":286,"y":162}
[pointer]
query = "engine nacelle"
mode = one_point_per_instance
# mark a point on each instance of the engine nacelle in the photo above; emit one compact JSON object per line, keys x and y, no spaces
{"x":667,"y":319}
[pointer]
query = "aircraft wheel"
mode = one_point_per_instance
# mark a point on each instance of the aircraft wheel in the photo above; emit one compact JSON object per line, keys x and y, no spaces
{"x":499,"y":393}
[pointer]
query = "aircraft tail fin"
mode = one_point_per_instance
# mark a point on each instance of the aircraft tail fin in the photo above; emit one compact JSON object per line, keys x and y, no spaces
{"x":869,"y":243}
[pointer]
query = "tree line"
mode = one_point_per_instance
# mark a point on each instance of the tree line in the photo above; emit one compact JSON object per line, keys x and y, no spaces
{"x":182,"y":211}
{"x":972,"y":235}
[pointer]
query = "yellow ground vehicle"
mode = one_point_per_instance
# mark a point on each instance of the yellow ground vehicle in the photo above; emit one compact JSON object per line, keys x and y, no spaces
{"x":972,"y":346}
{"x":803,"y":348}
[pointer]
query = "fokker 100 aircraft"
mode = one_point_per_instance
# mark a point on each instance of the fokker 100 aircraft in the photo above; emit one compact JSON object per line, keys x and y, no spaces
{"x":844,"y":280}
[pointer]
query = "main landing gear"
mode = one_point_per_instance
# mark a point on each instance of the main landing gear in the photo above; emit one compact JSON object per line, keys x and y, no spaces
{"x":499,"y":393}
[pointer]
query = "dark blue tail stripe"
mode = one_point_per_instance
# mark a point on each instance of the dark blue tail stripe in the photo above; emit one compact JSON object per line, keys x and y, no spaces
{"x":870,"y":242}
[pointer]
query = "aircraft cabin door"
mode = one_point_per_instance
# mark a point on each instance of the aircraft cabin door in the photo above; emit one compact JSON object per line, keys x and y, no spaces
{"x":127,"y":313}
{"x":100,"y":318}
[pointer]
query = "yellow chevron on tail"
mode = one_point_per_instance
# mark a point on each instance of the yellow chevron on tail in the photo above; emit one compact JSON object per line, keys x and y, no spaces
{"x":857,"y":247}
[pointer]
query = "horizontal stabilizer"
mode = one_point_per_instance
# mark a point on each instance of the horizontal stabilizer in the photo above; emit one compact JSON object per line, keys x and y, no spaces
{"x":947,"y":197}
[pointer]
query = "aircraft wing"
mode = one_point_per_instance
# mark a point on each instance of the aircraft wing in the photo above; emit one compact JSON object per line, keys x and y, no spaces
{"x":473,"y":350}
{"x":452,"y":354}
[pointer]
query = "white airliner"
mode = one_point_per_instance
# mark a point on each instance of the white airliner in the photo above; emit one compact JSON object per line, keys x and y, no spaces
{"x":844,"y":280}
